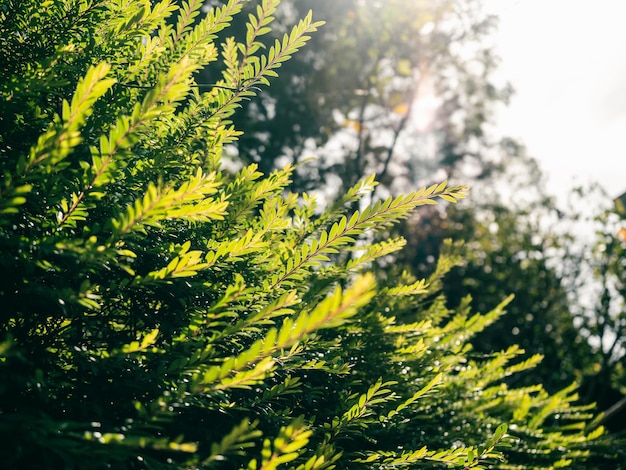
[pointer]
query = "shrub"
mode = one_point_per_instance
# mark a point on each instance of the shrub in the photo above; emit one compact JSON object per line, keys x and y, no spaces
{"x":161,"y":312}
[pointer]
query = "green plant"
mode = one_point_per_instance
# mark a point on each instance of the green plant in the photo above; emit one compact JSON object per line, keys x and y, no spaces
{"x":160,"y":312}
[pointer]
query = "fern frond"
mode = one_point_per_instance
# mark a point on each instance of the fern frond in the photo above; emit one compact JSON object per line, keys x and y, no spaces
{"x":343,"y":232}
{"x":63,"y":135}
{"x":257,"y":362}
{"x":286,"y":447}
{"x":188,"y":202}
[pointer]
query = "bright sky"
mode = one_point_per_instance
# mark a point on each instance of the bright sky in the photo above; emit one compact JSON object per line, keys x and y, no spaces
{"x":567,"y":61}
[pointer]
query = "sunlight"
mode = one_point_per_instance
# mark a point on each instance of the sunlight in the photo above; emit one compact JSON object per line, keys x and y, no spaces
{"x":424,"y":109}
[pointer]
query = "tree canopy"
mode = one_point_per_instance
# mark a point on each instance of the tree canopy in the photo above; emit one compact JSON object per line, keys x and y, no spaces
{"x":400,"y":88}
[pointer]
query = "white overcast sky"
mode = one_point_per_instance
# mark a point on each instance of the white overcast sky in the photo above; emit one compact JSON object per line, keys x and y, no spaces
{"x":567,"y":61}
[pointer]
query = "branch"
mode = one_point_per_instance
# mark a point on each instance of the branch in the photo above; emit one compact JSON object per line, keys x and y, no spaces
{"x":613,"y":409}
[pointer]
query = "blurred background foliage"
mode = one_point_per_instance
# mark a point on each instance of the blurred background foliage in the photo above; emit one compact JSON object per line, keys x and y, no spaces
{"x":407,"y":89}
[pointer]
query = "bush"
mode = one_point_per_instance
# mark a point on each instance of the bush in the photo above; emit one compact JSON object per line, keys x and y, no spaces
{"x":161,"y":312}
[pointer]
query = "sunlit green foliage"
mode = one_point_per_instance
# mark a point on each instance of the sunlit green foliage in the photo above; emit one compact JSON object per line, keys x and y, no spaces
{"x":160,"y":312}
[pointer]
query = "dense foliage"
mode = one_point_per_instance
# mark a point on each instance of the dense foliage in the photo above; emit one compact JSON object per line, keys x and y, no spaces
{"x":407,"y":89}
{"x":161,"y":312}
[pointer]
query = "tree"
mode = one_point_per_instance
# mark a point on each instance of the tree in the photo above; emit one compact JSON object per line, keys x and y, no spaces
{"x":595,"y":271}
{"x":400,"y":88}
{"x":160,"y":312}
